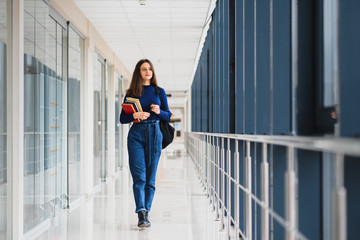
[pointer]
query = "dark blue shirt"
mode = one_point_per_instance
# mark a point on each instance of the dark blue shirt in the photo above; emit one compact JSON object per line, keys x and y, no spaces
{"x":148,"y":97}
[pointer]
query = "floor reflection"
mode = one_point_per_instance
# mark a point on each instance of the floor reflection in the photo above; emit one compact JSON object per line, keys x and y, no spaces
{"x":180,"y":209}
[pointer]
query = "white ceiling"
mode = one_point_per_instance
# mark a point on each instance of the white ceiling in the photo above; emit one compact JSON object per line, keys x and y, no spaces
{"x":167,"y":32}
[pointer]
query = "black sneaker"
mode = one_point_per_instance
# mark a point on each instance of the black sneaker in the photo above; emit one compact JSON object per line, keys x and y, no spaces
{"x":143,"y":222}
{"x":147,"y":218}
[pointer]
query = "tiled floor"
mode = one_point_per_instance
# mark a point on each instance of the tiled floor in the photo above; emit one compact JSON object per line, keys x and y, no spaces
{"x":180,"y":209}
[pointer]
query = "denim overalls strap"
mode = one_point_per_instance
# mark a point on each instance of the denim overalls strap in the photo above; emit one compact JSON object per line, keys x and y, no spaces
{"x":151,"y":139}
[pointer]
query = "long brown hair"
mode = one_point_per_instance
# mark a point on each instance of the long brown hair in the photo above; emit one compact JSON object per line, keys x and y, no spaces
{"x":135,"y":89}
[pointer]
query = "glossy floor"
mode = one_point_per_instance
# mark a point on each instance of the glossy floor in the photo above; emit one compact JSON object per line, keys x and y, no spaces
{"x":180,"y":209}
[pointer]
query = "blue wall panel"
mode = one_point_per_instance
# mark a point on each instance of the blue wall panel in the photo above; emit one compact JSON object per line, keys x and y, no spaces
{"x":216,"y":71}
{"x":249,"y":68}
{"x":306,"y":83}
{"x":309,"y":195}
{"x":352,"y":180}
{"x":263,"y":100}
{"x":231,"y":88}
{"x":278,"y":170}
{"x":221,"y":67}
{"x":242,"y":195}
{"x":225,"y":74}
{"x":204,"y":90}
{"x":281,"y":67}
{"x":239,"y":71}
{"x":211,"y":77}
{"x":349,"y":68}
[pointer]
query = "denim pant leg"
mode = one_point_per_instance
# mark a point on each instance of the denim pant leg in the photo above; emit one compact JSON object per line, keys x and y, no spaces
{"x":136,"y":150}
{"x":151,"y":170}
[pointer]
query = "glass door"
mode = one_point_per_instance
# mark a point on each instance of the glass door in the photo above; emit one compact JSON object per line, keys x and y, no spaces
{"x":75,"y":73}
{"x":118,"y":126}
{"x":45,"y":106}
{"x":99,"y":120}
{"x":3,"y":116}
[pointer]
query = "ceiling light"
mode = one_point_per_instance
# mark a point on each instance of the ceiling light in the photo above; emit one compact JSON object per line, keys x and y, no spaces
{"x":142,"y":2}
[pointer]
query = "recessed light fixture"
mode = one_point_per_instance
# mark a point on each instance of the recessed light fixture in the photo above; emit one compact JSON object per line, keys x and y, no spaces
{"x":142,"y":2}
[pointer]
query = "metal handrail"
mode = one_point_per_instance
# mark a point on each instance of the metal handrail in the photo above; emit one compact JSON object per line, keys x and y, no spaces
{"x":212,"y":159}
{"x":346,"y":146}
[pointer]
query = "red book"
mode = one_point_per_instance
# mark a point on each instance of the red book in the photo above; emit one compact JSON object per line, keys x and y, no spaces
{"x":129,"y":109}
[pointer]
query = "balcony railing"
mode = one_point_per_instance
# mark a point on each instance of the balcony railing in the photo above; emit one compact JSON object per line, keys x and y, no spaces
{"x":225,"y":167}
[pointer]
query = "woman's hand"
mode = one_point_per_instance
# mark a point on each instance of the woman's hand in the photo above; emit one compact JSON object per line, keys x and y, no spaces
{"x":141,"y":115}
{"x":155,"y":108}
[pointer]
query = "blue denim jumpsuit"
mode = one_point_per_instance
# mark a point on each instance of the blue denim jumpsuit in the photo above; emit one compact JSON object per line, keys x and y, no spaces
{"x":144,"y":147}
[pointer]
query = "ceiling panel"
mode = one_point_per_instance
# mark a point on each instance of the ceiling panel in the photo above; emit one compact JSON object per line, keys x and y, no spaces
{"x":168,"y":32}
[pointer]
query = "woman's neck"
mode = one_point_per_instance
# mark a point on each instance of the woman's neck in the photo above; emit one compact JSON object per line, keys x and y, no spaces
{"x":146,"y":82}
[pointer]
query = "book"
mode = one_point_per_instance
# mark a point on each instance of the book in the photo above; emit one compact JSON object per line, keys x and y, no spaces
{"x":129,"y":109}
{"x":135,"y":101}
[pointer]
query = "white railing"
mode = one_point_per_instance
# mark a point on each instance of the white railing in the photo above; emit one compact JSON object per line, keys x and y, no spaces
{"x":216,"y":154}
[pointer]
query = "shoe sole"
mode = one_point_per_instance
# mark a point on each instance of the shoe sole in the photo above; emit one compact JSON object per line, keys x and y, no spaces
{"x":144,"y":225}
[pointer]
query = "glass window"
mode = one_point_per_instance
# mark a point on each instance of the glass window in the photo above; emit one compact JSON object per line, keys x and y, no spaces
{"x":107,"y":82}
{"x":3,"y":130}
{"x":118,"y":127}
{"x":99,"y":124}
{"x":76,"y":63}
{"x":44,"y":114}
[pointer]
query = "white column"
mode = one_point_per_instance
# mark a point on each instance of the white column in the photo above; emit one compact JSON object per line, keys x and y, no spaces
{"x":111,"y":123}
{"x":15,"y":119}
{"x":87,"y":116}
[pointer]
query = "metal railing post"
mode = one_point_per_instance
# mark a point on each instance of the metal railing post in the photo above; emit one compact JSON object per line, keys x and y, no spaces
{"x":236,"y":193}
{"x":207,"y":165}
{"x":213,"y":171}
{"x":218,"y":178}
{"x":209,"y":168}
{"x":290,"y":195}
{"x":202,"y":159}
{"x":265,"y":194}
{"x":339,"y":196}
{"x":204,"y":162}
{"x":199,"y":158}
{"x":222,"y":184}
{"x":248,"y":204}
{"x":228,"y":188}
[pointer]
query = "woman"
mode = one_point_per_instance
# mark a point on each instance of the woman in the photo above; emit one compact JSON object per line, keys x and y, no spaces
{"x":145,"y":138}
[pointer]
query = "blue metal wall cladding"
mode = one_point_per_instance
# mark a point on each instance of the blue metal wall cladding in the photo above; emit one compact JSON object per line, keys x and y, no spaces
{"x":262,"y":80}
{"x":306,"y":82}
{"x":215,"y":69}
{"x":249,"y":88}
{"x":232,"y":52}
{"x":310,"y":193}
{"x":225,"y":66}
{"x":239,"y":68}
{"x":243,"y":84}
{"x":349,"y":68}
{"x":281,"y":71}
{"x":278,"y":169}
{"x":349,"y":104}
{"x":248,"y":64}
{"x":221,"y":67}
{"x":352,"y":180}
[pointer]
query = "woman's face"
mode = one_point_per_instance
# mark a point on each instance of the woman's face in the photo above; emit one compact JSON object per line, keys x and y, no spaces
{"x":146,"y":71}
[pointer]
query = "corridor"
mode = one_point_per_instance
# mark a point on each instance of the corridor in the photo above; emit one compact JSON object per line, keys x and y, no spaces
{"x":180,"y":210}
{"x":263,"y":96}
